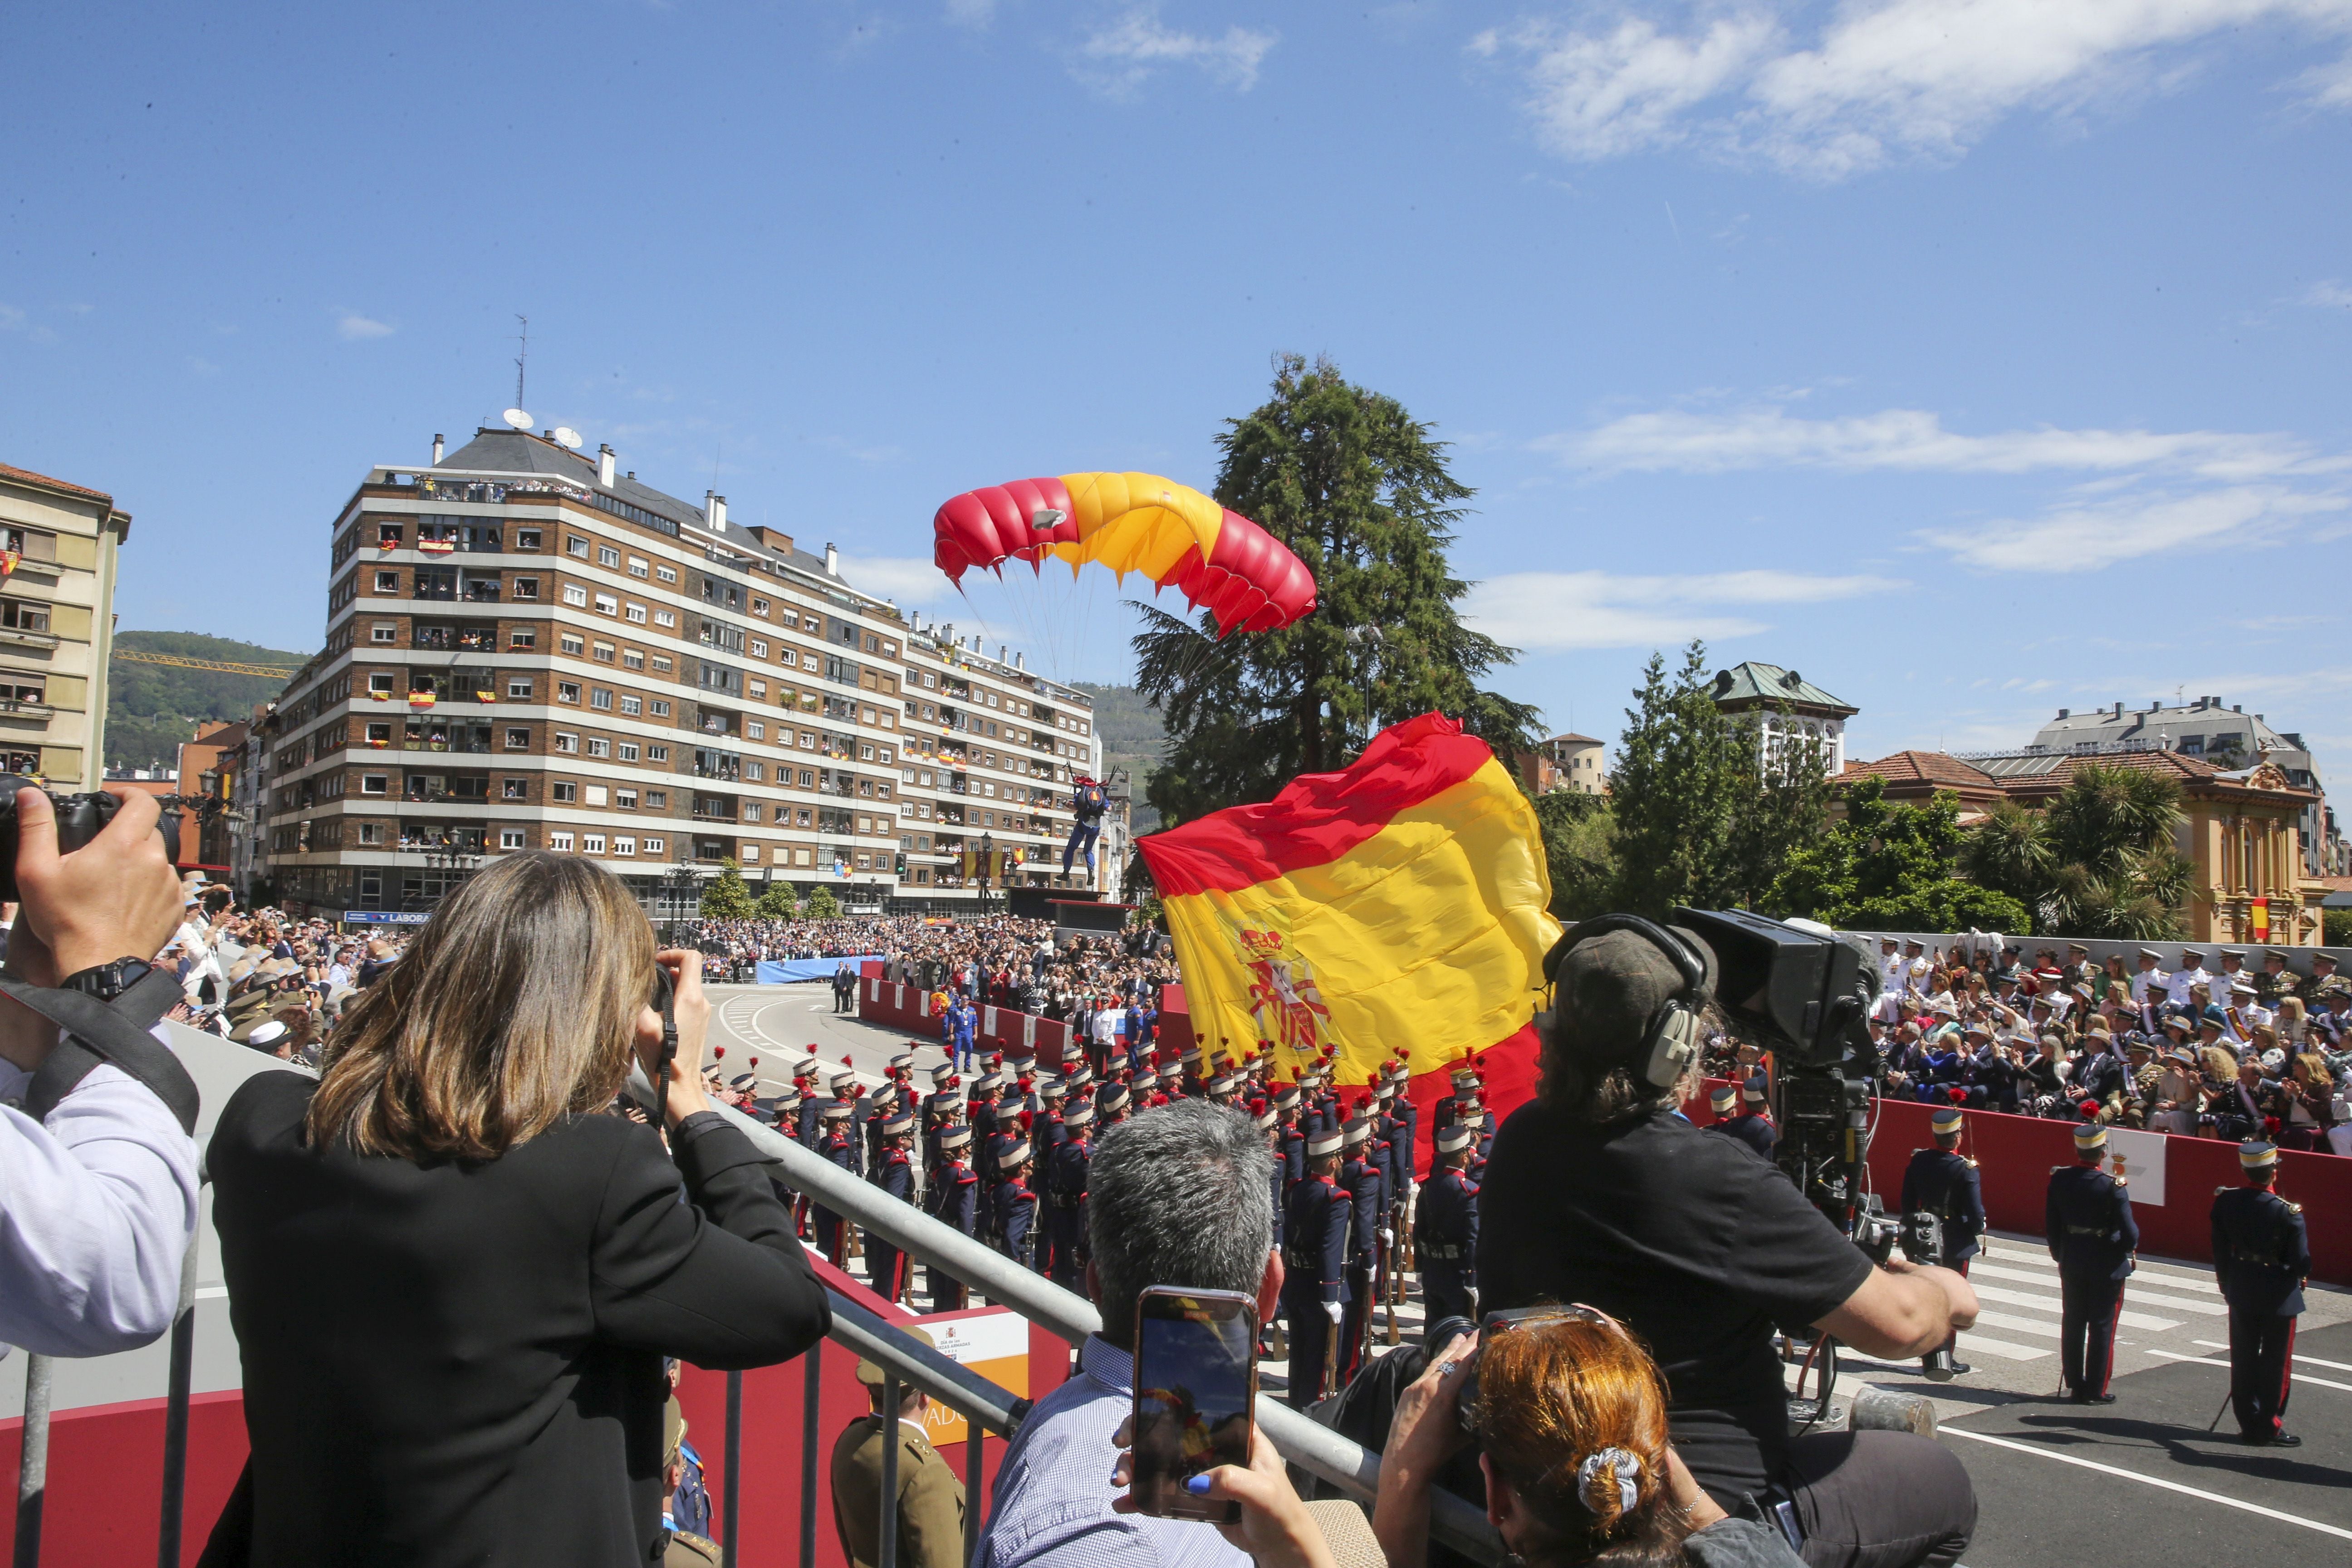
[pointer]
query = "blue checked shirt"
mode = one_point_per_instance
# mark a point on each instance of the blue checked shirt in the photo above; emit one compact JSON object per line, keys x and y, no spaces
{"x":1054,"y":1492}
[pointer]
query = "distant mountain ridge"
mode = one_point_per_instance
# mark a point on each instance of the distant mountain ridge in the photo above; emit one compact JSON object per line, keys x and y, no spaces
{"x":152,"y":708}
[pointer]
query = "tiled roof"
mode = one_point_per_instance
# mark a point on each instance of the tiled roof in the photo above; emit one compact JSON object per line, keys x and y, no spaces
{"x":1925,"y":767}
{"x":31,"y":478}
{"x":1754,"y":682}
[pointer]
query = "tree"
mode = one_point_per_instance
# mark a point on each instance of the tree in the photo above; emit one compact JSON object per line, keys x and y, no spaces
{"x":820,"y":906}
{"x":724,"y":897}
{"x":1889,"y":867}
{"x":1580,"y":840}
{"x":2098,"y":861}
{"x":1356,"y":488}
{"x":776,"y":903}
{"x":1705,"y":813}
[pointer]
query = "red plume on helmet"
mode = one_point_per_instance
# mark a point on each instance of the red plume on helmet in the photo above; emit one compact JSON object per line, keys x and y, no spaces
{"x":719,"y":1050}
{"x":1957,"y":1095}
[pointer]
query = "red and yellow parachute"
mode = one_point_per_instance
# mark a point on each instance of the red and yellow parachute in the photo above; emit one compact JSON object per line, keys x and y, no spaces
{"x":1131,"y":522}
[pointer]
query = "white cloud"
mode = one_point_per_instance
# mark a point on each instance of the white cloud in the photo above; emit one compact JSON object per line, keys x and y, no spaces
{"x":972,"y":13}
{"x":2071,"y":539}
{"x":353,"y":327}
{"x":906,"y":579}
{"x":1553,"y":611}
{"x":1883,"y":82}
{"x":1118,"y":59}
{"x":2329,"y":294}
{"x":1913,"y":440}
{"x":11,"y":319}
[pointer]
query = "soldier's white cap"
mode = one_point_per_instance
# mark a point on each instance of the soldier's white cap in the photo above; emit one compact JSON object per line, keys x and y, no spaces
{"x":1947,"y":1119}
{"x":1356,"y":1133}
{"x":2255,"y":1155}
{"x":1724,"y":1099}
{"x":2234,"y":952}
{"x":1328,"y":1143}
{"x":897,"y":1125}
{"x":1265,"y":1119}
{"x":835,"y":1112}
{"x":1080,"y":1114}
{"x":2090,"y":1135}
{"x":1453,"y":1140}
{"x":1015,"y":1155}
{"x":955,"y":1137}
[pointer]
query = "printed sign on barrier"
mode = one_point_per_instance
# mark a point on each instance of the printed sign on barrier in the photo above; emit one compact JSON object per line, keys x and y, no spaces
{"x":993,"y":1342}
{"x":2138,"y":1158}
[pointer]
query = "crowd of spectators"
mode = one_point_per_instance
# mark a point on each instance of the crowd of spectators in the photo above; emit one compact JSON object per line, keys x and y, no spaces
{"x":266,"y":979}
{"x":2231,"y":1053}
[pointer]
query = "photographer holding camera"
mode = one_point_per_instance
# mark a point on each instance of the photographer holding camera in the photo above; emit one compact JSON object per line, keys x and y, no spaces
{"x":98,"y":1196}
{"x":1599,"y":1191}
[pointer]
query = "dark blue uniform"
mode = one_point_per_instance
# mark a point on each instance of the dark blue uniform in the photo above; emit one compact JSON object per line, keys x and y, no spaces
{"x":2262,"y":1255}
{"x":2087,"y":1220}
{"x":1314,"y":1264}
{"x":837,"y":1148}
{"x":885,"y":1264}
{"x":953,"y":1199}
{"x":1067,"y":1215}
{"x":1367,"y":1208}
{"x":1942,"y":1183}
{"x":1445,"y":1245}
{"x":1015,"y":1210}
{"x":1750,"y":1129}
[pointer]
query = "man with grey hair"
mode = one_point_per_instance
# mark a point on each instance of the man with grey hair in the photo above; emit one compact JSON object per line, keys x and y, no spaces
{"x":1177,"y":1196}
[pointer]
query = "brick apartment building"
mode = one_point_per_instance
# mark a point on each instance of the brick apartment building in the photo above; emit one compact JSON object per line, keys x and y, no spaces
{"x":527,"y":648}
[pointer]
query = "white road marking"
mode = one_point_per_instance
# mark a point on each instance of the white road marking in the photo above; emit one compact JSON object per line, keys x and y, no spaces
{"x":2315,"y":1361}
{"x":2300,"y":1378}
{"x":2041,"y":1453}
{"x":2138,"y":1288}
{"x":2048,"y":1304}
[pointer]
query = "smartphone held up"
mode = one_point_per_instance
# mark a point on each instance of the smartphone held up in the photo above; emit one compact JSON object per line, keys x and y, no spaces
{"x":1195,"y":1396}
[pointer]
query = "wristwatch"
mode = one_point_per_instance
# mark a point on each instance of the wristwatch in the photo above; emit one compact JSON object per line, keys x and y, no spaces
{"x":107,"y":981}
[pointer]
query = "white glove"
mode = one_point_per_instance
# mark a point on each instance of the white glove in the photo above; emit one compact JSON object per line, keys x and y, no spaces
{"x":1331,"y":1310}
{"x":1388,"y":1237}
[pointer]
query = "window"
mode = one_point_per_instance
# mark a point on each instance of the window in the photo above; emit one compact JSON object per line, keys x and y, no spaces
{"x":661,"y":663}
{"x":636,"y":615}
{"x":654,"y":846}
{"x":865,"y":754}
{"x":755,"y":728}
{"x":387,"y":581}
{"x":523,"y":637}
{"x":626,"y":799}
{"x":636,"y":566}
{"x":519,"y":689}
{"x":660,"y":706}
{"x":633,"y":659}
{"x":656,"y":753}
{"x":657,"y":800}
{"x":576,"y":545}
{"x":573,"y":594}
{"x":604,"y":654}
{"x":596,"y":794}
{"x":518,"y":740}
{"x":384,"y":632}
{"x":751,"y":811}
{"x":375,"y":784}
{"x":759,"y":648}
{"x":525,"y":538}
{"x":601,"y":697}
{"x":624,"y":847}
{"x":567,"y":691}
{"x":598,"y":746}
{"x":526,"y":588}
{"x":754,"y":771}
{"x":759,"y":605}
{"x":664,"y":617}
{"x":514,"y":789}
{"x":566,"y":792}
{"x":628,"y":751}
{"x":607,"y":606}
{"x":570,"y":643}
{"x":607,"y":556}
{"x":559,"y":841}
{"x":750,"y":852}
{"x":801,"y":857}
{"x":633,"y":705}
{"x":759,"y":688}
{"x":565,"y":742}
{"x":510,"y":838}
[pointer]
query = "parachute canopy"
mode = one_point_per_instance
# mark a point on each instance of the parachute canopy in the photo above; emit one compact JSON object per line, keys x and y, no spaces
{"x":1172,"y":533}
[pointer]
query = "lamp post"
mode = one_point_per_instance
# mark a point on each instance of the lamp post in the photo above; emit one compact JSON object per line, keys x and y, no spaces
{"x":677,"y":885}
{"x":987,"y":866}
{"x":453,"y":860}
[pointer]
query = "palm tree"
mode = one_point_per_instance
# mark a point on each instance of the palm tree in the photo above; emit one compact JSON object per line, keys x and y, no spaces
{"x":2098,"y":861}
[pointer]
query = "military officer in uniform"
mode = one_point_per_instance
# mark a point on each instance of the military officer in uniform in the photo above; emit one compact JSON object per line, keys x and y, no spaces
{"x":1065,"y":1218}
{"x":929,"y":1515}
{"x":1316,"y":1226}
{"x":831,"y":1234}
{"x":2087,"y":1221}
{"x":1368,"y":1207}
{"x":1942,"y":1182}
{"x":953,"y":1199}
{"x":893,"y":1173}
{"x":1015,"y":1207}
{"x":679,"y":1548}
{"x":1445,"y":1233}
{"x":2261,"y":1258}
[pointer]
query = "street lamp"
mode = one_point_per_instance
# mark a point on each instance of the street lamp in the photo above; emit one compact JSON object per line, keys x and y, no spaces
{"x":987,"y":865}
{"x":452,"y":861}
{"x":677,"y":885}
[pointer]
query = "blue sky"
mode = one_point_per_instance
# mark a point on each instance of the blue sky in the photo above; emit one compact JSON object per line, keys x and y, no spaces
{"x":1975,"y":357}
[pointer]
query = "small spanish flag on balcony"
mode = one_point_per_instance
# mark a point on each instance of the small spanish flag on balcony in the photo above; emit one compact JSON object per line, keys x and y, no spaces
{"x":379,"y":696}
{"x":9,"y":560}
{"x":1402,"y":902}
{"x":378,"y":744}
{"x":388,"y":544}
{"x":436,"y":546}
{"x":420,"y":700}
{"x":485,"y":696}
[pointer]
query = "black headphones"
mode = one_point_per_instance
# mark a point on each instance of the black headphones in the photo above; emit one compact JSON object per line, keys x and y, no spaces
{"x":1671,"y":1040}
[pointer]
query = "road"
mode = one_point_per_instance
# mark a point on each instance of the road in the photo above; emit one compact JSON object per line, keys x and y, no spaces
{"x":2057,"y":1483}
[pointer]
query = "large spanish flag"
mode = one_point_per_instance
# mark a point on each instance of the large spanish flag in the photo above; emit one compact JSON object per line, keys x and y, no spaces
{"x":1401,"y":902}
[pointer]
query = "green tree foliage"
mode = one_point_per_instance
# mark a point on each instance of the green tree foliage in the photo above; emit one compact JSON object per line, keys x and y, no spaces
{"x":1352,"y":483}
{"x":1580,"y":840}
{"x":724,"y":897}
{"x":1888,"y":867}
{"x":1702,"y":816}
{"x":2098,"y":861}
{"x":820,"y":906}
{"x":776,"y":903}
{"x":2335,"y":928}
{"x":152,"y":708}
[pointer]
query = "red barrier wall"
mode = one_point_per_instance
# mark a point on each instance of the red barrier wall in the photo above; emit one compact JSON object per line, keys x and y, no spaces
{"x":1016,"y":1034}
{"x":105,"y":1476}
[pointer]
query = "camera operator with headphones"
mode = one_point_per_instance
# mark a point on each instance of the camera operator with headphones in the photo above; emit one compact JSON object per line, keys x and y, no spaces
{"x":1599,"y":1191}
{"x":98,"y":1172}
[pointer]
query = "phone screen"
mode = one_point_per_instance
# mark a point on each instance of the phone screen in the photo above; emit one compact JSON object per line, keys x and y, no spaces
{"x":1195,"y":1390}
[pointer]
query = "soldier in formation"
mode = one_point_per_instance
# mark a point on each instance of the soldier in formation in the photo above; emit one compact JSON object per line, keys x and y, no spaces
{"x":2093,"y":1238}
{"x":1944,"y":1182}
{"x":2261,"y":1259}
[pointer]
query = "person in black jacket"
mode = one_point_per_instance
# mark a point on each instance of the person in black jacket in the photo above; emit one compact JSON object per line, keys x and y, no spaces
{"x":2095,"y":1241}
{"x":1943,"y":1182}
{"x":453,"y":1281}
{"x":2261,"y":1256}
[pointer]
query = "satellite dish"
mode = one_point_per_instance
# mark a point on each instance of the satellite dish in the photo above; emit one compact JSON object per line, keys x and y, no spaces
{"x":566,"y":436}
{"x":517,"y":417}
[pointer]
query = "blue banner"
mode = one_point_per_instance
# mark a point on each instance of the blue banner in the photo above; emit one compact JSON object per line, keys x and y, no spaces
{"x":790,"y":971}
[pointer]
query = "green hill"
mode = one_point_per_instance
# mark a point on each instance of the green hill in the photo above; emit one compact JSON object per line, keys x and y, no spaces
{"x":1132,"y":738}
{"x":152,"y":708}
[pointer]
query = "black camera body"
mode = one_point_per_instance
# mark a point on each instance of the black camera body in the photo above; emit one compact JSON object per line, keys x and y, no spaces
{"x":80,"y":819}
{"x":1920,"y":1233}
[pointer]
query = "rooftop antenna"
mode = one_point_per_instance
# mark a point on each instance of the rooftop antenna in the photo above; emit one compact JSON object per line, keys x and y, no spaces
{"x":524,"y":339}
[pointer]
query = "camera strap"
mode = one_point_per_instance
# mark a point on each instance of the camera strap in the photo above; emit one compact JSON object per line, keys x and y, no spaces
{"x":114,"y":1033}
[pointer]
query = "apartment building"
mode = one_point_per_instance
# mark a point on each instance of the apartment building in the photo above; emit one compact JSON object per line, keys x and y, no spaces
{"x":528,"y":648}
{"x":58,"y":551}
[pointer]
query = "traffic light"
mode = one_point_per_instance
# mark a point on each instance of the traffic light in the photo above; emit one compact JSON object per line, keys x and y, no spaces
{"x":902,"y":866}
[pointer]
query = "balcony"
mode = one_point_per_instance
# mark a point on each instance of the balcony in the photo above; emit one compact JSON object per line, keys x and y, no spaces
{"x":25,"y":708}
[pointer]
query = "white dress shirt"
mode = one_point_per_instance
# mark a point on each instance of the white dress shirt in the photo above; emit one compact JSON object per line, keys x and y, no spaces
{"x":2182,"y":979}
{"x":96,"y":1207}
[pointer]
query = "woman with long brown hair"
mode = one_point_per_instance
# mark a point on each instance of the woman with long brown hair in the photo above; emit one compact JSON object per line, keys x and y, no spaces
{"x":453,"y":1279}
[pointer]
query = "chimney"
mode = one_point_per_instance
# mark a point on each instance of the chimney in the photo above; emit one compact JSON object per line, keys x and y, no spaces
{"x":714,"y":508}
{"x":1002,"y":653}
{"x":436,"y":448}
{"x":604,"y":461}
{"x":2062,"y":712}
{"x":2119,"y":707}
{"x":832,"y":560}
{"x":1020,"y":661}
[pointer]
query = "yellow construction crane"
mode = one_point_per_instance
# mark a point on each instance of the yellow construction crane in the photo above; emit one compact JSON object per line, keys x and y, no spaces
{"x":140,"y":655}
